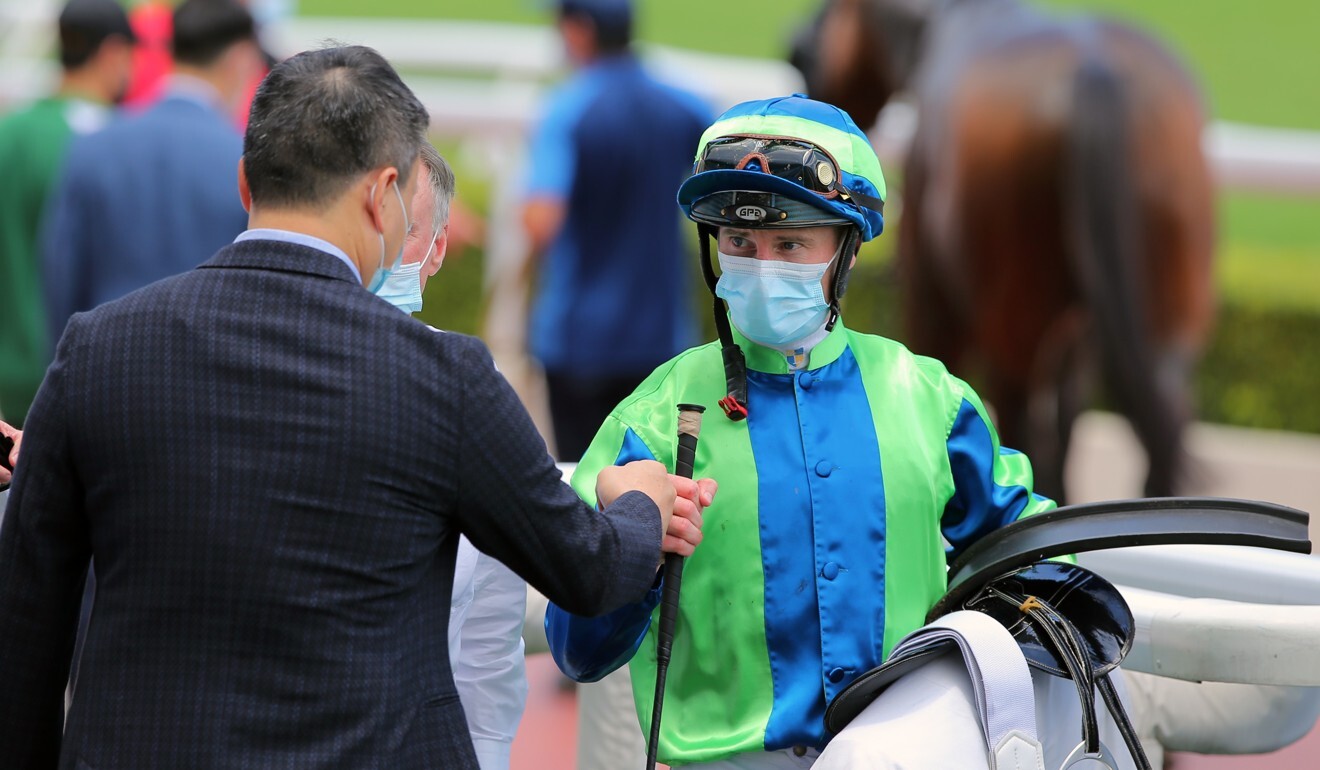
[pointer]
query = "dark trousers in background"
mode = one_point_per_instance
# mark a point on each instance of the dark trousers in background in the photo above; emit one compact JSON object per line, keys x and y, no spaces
{"x":579,"y":405}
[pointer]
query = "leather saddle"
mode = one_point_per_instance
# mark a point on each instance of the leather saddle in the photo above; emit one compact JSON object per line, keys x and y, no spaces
{"x":1072,"y":623}
{"x":1067,"y":620}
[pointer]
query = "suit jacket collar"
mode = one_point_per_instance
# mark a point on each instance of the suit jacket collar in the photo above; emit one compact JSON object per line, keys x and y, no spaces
{"x":281,"y":256}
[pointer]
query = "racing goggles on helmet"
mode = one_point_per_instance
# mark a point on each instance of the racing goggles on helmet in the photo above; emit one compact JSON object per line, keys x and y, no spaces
{"x":794,"y":160}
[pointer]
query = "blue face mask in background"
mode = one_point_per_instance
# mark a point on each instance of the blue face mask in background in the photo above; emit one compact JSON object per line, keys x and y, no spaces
{"x":773,"y":303}
{"x":383,"y":273}
{"x":403,"y":287}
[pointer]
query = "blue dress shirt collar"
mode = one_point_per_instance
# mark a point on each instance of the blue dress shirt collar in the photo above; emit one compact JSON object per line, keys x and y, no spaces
{"x":302,"y":239}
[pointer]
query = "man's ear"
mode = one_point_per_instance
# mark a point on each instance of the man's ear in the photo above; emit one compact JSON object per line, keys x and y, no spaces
{"x":380,"y":193}
{"x":244,"y":192}
{"x":441,"y":246}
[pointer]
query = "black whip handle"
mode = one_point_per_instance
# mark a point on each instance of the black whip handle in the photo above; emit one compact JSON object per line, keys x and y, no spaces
{"x":689,"y":428}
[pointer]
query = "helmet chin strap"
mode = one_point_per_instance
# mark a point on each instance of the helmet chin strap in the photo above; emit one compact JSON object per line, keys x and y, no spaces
{"x":847,"y":250}
{"x":734,"y":402}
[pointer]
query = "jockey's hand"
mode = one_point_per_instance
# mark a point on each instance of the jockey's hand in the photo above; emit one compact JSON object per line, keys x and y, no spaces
{"x":684,"y":532}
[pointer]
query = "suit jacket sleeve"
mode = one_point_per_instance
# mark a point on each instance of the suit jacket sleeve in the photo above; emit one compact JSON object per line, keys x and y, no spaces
{"x":44,"y":552}
{"x":515,"y":506}
{"x":588,"y":649}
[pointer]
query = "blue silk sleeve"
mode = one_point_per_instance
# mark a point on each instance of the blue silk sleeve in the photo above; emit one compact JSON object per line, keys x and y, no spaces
{"x":992,"y":484}
{"x":587,"y":649}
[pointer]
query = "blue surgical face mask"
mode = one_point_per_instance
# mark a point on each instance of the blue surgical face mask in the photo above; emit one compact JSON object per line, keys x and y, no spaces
{"x":383,"y":273}
{"x":773,"y":303}
{"x":403,"y":287}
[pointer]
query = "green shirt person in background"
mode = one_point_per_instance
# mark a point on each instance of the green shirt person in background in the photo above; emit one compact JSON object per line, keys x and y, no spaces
{"x":95,"y":49}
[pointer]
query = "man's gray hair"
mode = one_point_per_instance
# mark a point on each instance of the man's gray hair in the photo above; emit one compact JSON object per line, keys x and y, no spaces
{"x":443,"y":184}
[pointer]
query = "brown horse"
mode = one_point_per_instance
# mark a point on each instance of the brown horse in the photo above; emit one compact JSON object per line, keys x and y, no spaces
{"x":1058,"y":211}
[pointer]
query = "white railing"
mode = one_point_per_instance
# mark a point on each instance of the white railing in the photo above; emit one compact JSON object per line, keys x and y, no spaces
{"x":485,"y":79}
{"x":521,"y":58}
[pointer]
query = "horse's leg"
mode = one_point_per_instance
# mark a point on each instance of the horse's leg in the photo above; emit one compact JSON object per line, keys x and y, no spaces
{"x":1062,"y":376}
{"x":1142,"y":204}
{"x":1107,"y":253}
{"x":1176,"y":199}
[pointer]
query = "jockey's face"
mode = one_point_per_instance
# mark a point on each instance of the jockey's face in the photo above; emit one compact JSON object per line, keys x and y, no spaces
{"x":799,"y":245}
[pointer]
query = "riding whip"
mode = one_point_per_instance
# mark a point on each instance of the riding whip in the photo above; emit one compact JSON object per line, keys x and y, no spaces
{"x":689,"y":428}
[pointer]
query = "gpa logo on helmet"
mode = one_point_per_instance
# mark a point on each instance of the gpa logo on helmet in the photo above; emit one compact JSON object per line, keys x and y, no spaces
{"x":750,"y":213}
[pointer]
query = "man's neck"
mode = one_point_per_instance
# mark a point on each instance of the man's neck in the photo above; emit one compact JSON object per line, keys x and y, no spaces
{"x":323,"y":225}
{"x":202,"y":82}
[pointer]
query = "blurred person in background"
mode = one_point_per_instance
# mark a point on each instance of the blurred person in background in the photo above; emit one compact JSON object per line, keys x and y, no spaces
{"x":95,"y":42}
{"x":153,"y":24}
{"x":272,"y":468}
{"x":153,"y":194}
{"x":613,"y":283}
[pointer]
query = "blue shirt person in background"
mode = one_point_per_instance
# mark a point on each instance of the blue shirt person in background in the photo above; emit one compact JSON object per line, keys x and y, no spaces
{"x":153,"y":194}
{"x":606,"y":161}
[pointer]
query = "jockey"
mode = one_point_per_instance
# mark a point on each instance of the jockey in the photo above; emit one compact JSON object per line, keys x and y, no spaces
{"x":850,"y":469}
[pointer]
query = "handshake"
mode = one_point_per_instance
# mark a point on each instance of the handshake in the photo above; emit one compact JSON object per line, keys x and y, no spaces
{"x":680,"y":500}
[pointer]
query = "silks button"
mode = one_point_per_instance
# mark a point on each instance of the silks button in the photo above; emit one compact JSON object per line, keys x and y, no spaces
{"x":835,"y":675}
{"x":830,"y":571}
{"x":805,"y":380}
{"x":824,"y":468}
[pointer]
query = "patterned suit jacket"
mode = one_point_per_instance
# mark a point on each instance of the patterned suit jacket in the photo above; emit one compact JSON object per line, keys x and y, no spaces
{"x":272,"y":468}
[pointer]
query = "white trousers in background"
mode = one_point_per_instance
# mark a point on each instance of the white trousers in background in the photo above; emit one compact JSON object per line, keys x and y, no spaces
{"x":609,"y":737}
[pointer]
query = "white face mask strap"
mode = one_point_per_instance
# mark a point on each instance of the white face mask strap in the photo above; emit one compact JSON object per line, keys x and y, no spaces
{"x":431,"y":248}
{"x":407,"y":224}
{"x":380,"y":234}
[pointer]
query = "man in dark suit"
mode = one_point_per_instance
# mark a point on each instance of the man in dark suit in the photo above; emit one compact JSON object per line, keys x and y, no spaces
{"x":238,"y":447}
{"x":152,"y":194}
